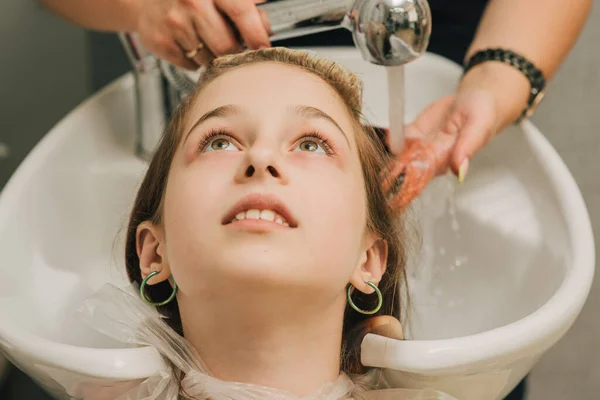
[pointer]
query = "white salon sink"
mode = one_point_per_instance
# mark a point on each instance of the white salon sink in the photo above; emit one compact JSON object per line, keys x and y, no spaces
{"x":478,"y":325}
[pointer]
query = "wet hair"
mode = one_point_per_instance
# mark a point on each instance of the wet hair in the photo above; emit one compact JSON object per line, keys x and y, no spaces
{"x":381,"y":221}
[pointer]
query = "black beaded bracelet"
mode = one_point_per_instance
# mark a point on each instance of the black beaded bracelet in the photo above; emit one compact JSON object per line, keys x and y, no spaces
{"x":532,"y":73}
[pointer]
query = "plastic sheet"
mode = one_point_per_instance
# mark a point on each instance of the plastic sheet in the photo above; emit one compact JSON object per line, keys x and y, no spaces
{"x":123,"y":316}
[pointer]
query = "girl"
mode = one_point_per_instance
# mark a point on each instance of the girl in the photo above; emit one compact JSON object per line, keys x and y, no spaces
{"x":262,"y":233}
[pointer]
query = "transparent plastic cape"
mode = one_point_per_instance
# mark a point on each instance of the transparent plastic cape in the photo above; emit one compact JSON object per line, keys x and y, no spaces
{"x":122,"y":315}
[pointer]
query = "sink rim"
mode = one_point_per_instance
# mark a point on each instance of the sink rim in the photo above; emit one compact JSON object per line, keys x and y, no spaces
{"x":535,"y":332}
{"x":109,"y":363}
{"x":531,"y":332}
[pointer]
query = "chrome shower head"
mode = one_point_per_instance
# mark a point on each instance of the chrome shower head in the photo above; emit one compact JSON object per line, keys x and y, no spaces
{"x":390,"y":32}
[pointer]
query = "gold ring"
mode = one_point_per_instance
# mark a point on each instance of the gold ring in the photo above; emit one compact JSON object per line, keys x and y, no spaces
{"x":194,"y":53}
{"x":191,"y":54}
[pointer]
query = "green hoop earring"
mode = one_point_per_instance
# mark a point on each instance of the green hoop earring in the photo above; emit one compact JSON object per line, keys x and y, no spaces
{"x":379,"y":300}
{"x":155,"y":303}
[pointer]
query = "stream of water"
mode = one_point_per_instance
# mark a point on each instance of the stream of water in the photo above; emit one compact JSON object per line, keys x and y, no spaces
{"x":395,"y":77}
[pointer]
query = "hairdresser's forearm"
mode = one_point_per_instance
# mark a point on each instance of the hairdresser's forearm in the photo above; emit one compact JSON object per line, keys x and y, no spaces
{"x":104,"y":15}
{"x":543,"y":31}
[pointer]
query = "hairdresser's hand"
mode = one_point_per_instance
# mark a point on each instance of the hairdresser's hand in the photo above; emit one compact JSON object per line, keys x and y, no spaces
{"x":449,"y":132}
{"x":202,"y":29}
{"x":383,"y":325}
{"x":443,"y":137}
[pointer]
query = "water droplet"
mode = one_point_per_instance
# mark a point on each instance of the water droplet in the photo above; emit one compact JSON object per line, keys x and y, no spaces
{"x":458,"y":261}
{"x":455,"y":225}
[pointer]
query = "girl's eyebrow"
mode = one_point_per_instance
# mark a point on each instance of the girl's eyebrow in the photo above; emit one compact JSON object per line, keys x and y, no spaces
{"x":315,"y":113}
{"x":221,"y":111}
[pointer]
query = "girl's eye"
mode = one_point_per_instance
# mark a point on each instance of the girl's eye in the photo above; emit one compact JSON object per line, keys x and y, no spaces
{"x":220,"y":144}
{"x":311,"y":145}
{"x":314,"y":144}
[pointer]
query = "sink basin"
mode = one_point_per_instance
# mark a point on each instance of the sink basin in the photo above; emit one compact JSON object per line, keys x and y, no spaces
{"x":501,"y":277}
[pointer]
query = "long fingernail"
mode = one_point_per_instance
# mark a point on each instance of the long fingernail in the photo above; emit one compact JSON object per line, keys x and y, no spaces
{"x":462,"y":170}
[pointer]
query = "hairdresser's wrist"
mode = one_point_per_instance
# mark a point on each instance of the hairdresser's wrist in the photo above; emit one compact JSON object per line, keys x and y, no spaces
{"x":130,"y":12}
{"x":507,"y":85}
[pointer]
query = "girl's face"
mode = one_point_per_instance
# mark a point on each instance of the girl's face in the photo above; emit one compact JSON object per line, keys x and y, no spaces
{"x":266,"y":190}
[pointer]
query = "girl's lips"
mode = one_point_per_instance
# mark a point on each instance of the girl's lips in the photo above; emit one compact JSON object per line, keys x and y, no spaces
{"x":256,"y":206}
{"x":256,"y":225}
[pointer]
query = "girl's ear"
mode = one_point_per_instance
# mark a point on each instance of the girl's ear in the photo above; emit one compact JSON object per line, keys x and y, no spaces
{"x":151,"y":252}
{"x":372,"y":265}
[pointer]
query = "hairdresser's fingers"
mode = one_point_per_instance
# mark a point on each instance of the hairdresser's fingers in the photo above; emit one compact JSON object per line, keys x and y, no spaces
{"x":411,"y":172}
{"x":264,"y":17}
{"x":213,"y":29}
{"x":429,"y":120}
{"x":162,"y":43}
{"x":471,"y":139}
{"x":394,"y":178}
{"x":181,"y":28}
{"x":202,"y":54}
{"x":432,"y":125}
{"x":382,"y":325}
{"x":385,"y":325}
{"x":187,"y":37}
{"x":248,"y":20}
{"x":190,"y":45}
{"x":175,"y":54}
{"x":444,"y":135}
{"x":473,"y":123}
{"x":417,"y":152}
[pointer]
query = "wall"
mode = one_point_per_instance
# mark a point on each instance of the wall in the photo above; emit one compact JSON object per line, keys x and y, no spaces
{"x":570,"y":119}
{"x":44,"y":73}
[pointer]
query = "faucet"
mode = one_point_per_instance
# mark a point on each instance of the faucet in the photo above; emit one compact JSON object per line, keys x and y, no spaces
{"x":390,"y":33}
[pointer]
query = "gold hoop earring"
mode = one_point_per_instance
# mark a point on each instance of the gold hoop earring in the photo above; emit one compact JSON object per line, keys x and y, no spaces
{"x":156,"y":303}
{"x":379,"y":299}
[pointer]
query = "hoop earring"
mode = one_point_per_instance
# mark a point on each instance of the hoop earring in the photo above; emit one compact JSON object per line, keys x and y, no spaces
{"x":156,"y":303}
{"x":379,"y":299}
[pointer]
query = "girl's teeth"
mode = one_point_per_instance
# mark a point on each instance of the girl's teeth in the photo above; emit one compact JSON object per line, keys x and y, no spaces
{"x":267,"y":215}
{"x":253,"y":214}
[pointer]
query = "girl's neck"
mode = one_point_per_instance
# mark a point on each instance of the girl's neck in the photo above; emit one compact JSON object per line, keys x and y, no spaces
{"x":296,"y":349}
